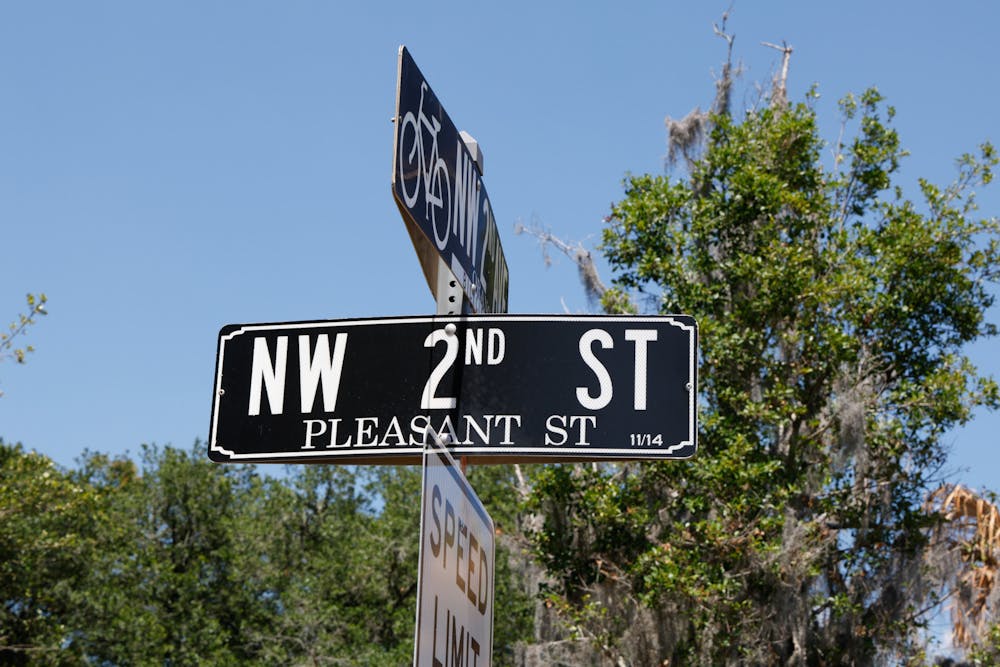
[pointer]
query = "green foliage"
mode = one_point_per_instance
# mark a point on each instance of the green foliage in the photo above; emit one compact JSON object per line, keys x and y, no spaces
{"x":19,"y":327}
{"x":180,"y":561}
{"x":344,"y":574}
{"x":47,"y":530}
{"x":514,"y":605}
{"x":170,"y":585}
{"x":988,"y":652}
{"x":833,"y":312}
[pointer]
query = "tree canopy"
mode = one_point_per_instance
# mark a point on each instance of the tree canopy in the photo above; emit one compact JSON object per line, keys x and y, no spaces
{"x":174,"y":560}
{"x":834,"y":312}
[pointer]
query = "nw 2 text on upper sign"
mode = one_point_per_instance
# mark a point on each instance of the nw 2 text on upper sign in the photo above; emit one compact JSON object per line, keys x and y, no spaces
{"x":440,"y":193}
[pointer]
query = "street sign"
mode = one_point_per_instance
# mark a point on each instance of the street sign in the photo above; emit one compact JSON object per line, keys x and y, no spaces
{"x":456,"y":572}
{"x":499,"y":387}
{"x":439,"y":190}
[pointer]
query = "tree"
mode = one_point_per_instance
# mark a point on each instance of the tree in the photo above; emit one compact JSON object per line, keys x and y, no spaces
{"x":342,"y":551}
{"x":175,"y":580}
{"x":342,"y":574}
{"x":833,"y":314}
{"x":47,"y":541}
{"x":198,"y":562}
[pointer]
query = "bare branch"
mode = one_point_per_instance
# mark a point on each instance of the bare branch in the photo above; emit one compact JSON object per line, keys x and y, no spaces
{"x":589,"y":276}
{"x":779,"y":89}
{"x":723,"y":86}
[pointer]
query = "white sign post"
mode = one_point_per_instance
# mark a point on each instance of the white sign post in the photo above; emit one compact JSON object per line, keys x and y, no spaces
{"x":455,"y":576}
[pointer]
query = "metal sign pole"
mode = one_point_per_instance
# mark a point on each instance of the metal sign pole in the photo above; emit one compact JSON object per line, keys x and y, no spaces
{"x":451,"y":299}
{"x":450,"y":295}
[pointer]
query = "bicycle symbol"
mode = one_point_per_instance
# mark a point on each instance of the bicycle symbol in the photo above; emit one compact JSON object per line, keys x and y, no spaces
{"x":430,"y":168}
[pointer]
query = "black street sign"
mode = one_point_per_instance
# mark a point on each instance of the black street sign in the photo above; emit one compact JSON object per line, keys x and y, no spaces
{"x":499,"y":388}
{"x":440,"y":193}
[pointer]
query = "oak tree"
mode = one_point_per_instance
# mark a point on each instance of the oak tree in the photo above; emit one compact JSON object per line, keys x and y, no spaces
{"x":834,"y":314}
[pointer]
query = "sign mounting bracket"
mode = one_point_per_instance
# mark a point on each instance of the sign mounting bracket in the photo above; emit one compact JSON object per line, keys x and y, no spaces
{"x":450,"y":295}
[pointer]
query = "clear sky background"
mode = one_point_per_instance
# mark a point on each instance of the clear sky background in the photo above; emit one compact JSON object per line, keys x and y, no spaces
{"x":168,"y":168}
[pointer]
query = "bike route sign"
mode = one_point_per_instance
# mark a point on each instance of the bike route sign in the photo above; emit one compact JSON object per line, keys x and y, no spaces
{"x":440,"y":193}
{"x":455,"y":584}
{"x":498,"y":388}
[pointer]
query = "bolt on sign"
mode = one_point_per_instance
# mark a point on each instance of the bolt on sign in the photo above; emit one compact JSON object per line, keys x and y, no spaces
{"x":455,"y":576}
{"x":497,"y":388}
{"x":439,"y":190}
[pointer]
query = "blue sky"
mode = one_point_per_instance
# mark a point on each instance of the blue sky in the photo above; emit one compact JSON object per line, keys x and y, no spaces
{"x":168,"y":168}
